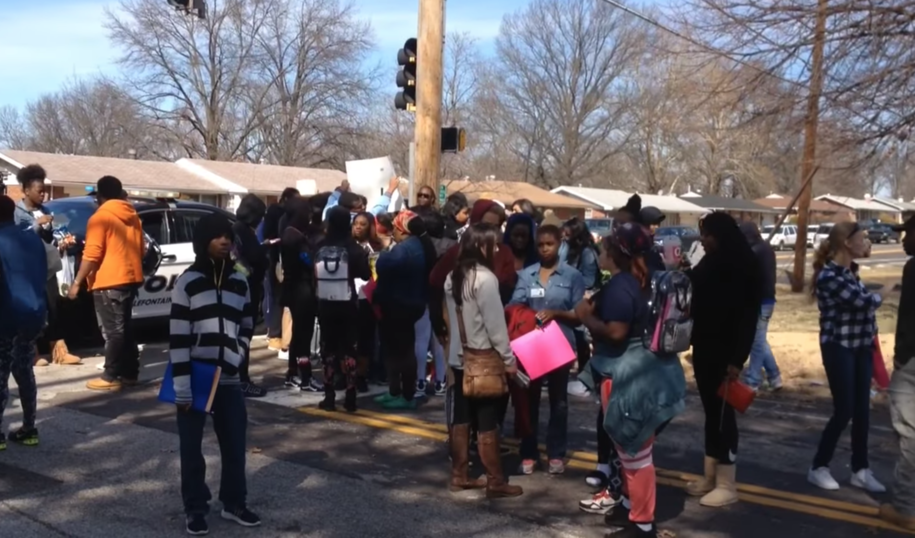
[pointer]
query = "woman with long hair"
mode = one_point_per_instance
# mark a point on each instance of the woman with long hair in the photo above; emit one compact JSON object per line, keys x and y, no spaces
{"x":457,"y":214}
{"x":551,"y":288}
{"x":519,"y":237}
{"x":477,"y":321}
{"x":580,"y":252}
{"x":366,"y":236}
{"x":641,"y":390}
{"x":402,"y":295}
{"x":336,"y":311}
{"x":725,"y":309}
{"x":297,"y":251}
{"x":848,"y":326}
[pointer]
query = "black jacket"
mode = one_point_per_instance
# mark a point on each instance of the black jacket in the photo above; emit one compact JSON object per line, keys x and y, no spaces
{"x":298,"y":254}
{"x":765,"y":254}
{"x":358,"y":259}
{"x":250,"y":213}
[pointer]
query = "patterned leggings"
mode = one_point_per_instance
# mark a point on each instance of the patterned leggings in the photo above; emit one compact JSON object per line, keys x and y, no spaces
{"x":17,"y":356}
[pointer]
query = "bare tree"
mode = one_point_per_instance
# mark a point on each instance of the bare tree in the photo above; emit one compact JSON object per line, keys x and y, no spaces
{"x":13,"y":129}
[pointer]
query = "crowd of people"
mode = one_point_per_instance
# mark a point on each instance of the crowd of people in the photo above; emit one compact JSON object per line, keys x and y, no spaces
{"x":457,"y":284}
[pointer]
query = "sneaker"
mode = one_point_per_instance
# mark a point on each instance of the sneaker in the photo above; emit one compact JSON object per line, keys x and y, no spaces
{"x":242,"y":516}
{"x":577,"y":388}
{"x":596,"y":479}
{"x":822,"y":478}
{"x":399,"y":403}
{"x":440,"y":388}
{"x":384,"y":398}
{"x":312,"y":386}
{"x":420,"y":389}
{"x":634,"y":531}
{"x":25,"y":437}
{"x":775,"y":385}
{"x":197,"y":525}
{"x":527,"y":466}
{"x":2,"y":442}
{"x":865,"y":480}
{"x":599,"y":503}
{"x":250,"y":390}
{"x":557,"y":467}
{"x":293,"y":382}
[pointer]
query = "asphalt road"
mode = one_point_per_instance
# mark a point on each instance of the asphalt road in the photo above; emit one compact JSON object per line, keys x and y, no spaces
{"x":108,"y":466}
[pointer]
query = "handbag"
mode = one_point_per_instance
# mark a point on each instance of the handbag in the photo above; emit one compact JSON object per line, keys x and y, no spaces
{"x":484,"y":371}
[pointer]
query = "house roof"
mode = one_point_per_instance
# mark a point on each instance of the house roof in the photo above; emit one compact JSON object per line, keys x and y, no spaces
{"x":509,"y":191}
{"x":858,"y":204}
{"x":897,"y":204}
{"x":781,"y":202}
{"x":134,"y":174}
{"x":262,"y":178}
{"x":723,"y":203}
{"x":611,"y":199}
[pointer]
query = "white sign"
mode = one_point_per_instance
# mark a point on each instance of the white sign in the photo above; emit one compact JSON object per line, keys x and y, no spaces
{"x":370,"y":178}
{"x":307,"y":187}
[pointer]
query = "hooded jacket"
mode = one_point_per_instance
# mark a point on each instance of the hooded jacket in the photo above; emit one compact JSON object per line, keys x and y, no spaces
{"x":114,"y":240}
{"x":212,"y":314}
{"x":251,"y":253}
{"x":766,"y":256}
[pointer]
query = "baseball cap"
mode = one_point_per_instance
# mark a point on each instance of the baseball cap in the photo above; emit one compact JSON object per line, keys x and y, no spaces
{"x":906,"y":226}
{"x":651,"y":215}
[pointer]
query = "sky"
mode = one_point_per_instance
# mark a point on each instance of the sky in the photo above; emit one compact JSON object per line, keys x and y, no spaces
{"x":45,"y":43}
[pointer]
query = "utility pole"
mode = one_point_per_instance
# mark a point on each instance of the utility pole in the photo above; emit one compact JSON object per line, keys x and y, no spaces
{"x":808,"y":165}
{"x":429,"y":59}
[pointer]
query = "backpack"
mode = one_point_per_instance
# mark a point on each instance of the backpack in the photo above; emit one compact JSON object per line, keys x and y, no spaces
{"x":23,"y":290}
{"x":670,"y":326}
{"x":332,"y":274}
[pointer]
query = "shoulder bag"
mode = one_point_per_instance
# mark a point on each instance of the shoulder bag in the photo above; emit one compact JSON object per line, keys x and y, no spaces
{"x":484,"y":371}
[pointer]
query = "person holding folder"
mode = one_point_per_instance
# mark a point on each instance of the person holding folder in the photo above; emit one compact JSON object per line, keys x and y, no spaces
{"x":210,"y":334}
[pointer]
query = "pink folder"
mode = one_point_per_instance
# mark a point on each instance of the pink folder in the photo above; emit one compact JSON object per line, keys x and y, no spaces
{"x":543,"y":350}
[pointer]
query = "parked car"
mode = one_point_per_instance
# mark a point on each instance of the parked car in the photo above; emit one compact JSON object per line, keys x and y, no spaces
{"x":169,"y":224}
{"x":599,"y":227}
{"x":822,"y":233}
{"x":882,"y":233}
{"x":811,"y":233}
{"x":783,"y":238}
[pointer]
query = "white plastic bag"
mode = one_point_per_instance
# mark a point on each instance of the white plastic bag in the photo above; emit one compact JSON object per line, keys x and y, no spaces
{"x":66,"y":275}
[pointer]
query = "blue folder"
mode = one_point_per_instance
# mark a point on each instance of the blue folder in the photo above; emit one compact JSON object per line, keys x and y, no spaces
{"x":204,"y":382}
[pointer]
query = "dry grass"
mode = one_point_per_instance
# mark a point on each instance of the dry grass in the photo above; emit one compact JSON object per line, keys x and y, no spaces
{"x":794,"y":333}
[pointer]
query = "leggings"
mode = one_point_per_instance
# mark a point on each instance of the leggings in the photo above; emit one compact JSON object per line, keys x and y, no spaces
{"x":398,"y":337}
{"x":721,"y":435}
{"x":338,"y":343}
{"x":303,"y":330}
{"x":480,"y":411}
{"x":424,"y":340}
{"x":17,"y":355}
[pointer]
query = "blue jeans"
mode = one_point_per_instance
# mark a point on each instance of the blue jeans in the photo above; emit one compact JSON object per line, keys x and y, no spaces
{"x":761,"y":357}
{"x":425,"y":339}
{"x":17,"y":354}
{"x":230,"y":421}
{"x":849,"y":372}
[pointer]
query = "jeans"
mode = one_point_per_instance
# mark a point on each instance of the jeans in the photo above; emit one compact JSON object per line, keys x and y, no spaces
{"x":17,"y":355}
{"x":902,"y":411}
{"x":849,"y":372}
{"x":761,"y":357}
{"x":557,"y":428}
{"x":114,"y":310}
{"x":425,"y":339}
{"x":230,"y":422}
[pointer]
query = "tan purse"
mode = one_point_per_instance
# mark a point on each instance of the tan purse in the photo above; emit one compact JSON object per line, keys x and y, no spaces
{"x":484,"y":371}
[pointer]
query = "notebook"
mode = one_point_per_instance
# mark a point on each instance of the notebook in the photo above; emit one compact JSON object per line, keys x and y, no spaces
{"x":204,"y":382}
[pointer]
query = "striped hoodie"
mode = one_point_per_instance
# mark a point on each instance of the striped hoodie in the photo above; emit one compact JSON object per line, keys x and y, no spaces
{"x":211,"y":321}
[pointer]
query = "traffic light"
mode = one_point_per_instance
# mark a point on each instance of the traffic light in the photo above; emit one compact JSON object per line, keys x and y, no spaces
{"x":197,"y":7}
{"x":454,"y":139}
{"x":406,"y":77}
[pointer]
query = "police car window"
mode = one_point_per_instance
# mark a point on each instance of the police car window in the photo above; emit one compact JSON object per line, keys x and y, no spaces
{"x":185,"y":221}
{"x":72,"y":214}
{"x":154,"y":224}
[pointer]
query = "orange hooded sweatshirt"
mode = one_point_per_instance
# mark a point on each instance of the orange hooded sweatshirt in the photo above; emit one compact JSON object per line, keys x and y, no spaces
{"x":114,"y":240}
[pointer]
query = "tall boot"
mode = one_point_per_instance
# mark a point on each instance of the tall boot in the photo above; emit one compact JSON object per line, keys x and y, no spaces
{"x":460,"y":459}
{"x":705,"y":484}
{"x":330,"y":394}
{"x":725,"y":491}
{"x":496,"y":484}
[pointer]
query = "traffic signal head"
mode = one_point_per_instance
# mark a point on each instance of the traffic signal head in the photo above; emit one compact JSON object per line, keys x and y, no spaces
{"x":406,"y":76}
{"x":454,"y":139}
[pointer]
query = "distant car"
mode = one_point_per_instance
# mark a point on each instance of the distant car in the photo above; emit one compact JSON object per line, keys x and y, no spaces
{"x":783,"y":238}
{"x":811,"y":233}
{"x":685,"y":234}
{"x":822,"y":233}
{"x":599,"y":227}
{"x":881,"y":233}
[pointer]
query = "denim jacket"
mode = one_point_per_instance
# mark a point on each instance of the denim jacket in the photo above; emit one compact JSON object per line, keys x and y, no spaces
{"x":564,"y":290}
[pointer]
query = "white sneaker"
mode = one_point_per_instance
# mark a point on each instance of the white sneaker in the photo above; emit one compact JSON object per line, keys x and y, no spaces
{"x":577,"y":388}
{"x":822,"y":478}
{"x":282,"y":355}
{"x":865,"y":480}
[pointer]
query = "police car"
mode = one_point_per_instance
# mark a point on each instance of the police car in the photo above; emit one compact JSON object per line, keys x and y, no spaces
{"x":169,"y":224}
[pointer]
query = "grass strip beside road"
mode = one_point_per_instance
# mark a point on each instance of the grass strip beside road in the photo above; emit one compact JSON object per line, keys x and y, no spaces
{"x":796,"y":502}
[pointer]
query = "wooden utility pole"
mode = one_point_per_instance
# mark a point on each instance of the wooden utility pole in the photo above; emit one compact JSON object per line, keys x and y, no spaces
{"x":429,"y":60}
{"x":808,"y":165}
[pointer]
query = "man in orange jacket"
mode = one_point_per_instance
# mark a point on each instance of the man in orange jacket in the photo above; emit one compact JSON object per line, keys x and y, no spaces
{"x":112,"y":268}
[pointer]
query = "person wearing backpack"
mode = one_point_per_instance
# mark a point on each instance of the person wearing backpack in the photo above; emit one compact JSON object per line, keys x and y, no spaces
{"x":338,"y":262}
{"x":24,"y":303}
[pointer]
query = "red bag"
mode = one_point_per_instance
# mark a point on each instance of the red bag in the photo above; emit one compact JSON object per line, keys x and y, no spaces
{"x":881,"y":376}
{"x":737,"y":395}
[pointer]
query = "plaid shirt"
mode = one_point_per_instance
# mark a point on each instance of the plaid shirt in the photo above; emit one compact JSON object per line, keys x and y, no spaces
{"x":847,"y":309}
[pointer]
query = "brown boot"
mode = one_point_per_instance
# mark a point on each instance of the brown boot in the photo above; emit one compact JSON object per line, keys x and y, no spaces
{"x":61,"y":355}
{"x":460,"y":460}
{"x":39,"y":360}
{"x":496,"y":485}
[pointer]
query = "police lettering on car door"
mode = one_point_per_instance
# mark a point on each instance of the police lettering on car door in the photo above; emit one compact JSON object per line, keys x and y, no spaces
{"x":155,"y":297}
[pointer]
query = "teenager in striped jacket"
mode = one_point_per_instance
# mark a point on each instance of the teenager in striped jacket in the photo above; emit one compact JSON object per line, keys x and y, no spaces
{"x":212,"y":321}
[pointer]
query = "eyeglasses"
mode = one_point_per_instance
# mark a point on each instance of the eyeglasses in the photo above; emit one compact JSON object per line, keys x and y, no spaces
{"x":424,"y":195}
